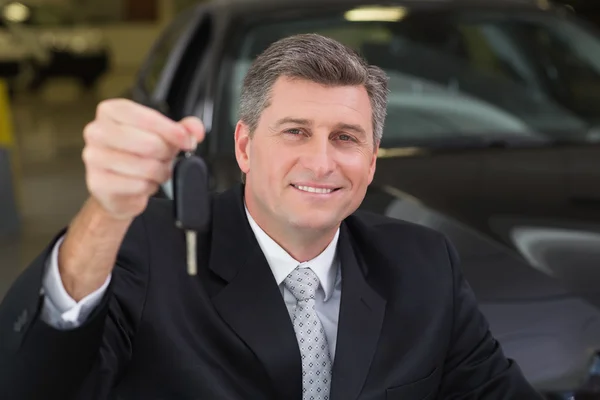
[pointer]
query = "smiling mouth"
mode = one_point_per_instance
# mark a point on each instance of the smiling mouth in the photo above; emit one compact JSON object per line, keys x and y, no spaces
{"x":311,"y":189}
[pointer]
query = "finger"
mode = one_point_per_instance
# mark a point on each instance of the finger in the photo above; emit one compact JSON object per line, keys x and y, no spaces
{"x":127,"y":112}
{"x":195,"y":127}
{"x":129,"y":139}
{"x":109,"y":183}
{"x":127,"y":164}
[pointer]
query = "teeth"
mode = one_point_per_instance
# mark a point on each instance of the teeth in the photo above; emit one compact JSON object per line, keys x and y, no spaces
{"x":314,"y":190}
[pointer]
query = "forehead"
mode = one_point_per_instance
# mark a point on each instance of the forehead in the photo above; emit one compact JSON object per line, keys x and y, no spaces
{"x":298,"y":96}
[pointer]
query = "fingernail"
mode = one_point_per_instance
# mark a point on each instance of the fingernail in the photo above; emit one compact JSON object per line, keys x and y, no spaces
{"x":192,"y":143}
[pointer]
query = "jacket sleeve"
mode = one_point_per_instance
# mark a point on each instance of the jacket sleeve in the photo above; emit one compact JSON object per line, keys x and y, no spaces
{"x":40,"y":361}
{"x":476,"y":367}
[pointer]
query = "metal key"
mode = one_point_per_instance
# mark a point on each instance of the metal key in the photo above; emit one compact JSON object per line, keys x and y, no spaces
{"x":191,"y":202}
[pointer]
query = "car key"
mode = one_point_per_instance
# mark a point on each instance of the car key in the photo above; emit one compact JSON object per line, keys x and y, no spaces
{"x":191,"y":202}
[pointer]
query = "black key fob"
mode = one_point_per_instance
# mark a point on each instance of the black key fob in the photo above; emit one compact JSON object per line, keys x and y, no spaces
{"x":191,"y":195}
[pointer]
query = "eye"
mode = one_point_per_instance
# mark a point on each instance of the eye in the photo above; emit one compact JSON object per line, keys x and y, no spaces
{"x":294,"y":131}
{"x":345,"y":138}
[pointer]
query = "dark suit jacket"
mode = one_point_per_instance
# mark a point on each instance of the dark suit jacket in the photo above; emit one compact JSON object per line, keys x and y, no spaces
{"x":409,"y":327}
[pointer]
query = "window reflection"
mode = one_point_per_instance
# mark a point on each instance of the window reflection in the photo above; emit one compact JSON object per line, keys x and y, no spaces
{"x":466,"y":76}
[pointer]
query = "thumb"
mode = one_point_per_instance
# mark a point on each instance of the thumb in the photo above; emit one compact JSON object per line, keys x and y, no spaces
{"x":195,"y":127}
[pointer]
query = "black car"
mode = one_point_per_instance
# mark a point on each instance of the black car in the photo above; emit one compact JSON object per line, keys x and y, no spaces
{"x":492,"y":137}
{"x":585,"y":9}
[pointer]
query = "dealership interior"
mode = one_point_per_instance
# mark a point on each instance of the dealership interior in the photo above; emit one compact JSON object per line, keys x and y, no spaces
{"x":47,"y":118}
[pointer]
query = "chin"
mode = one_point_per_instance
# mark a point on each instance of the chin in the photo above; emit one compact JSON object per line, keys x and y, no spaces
{"x":318,"y":221}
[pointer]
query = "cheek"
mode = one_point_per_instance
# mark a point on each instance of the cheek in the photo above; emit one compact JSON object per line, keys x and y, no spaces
{"x":281,"y":157}
{"x":357,"y":167}
{"x":273,"y":161}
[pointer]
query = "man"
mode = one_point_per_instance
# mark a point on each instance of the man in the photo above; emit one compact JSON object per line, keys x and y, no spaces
{"x":298,"y":296}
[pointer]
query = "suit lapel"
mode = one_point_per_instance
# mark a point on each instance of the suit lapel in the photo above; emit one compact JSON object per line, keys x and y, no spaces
{"x":361,"y":316}
{"x":251,"y":302}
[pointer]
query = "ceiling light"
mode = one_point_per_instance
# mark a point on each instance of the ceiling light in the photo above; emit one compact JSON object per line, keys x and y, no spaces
{"x":388,"y":14}
{"x":16,"y":12}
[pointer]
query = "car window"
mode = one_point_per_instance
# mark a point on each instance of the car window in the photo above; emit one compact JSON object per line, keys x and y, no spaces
{"x":468,"y":76}
{"x":159,"y":56}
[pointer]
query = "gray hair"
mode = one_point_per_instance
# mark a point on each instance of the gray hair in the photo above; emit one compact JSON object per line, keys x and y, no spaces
{"x":314,"y":58}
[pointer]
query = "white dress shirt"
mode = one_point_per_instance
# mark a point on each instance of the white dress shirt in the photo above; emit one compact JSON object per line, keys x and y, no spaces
{"x":327,"y":268}
{"x":62,"y":312}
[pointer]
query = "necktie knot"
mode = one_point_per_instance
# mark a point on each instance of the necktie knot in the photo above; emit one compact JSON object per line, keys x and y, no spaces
{"x":302,"y":283}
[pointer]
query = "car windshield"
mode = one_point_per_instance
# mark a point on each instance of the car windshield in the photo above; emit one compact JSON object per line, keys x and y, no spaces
{"x":456,"y":77}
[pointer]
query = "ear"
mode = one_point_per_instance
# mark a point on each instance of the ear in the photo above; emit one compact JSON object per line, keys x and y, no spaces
{"x":373,"y":162}
{"x":242,"y":146}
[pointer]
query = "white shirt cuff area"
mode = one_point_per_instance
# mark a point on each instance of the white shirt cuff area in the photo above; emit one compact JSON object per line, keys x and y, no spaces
{"x":60,"y":310}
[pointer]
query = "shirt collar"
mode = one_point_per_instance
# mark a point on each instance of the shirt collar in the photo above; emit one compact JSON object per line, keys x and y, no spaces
{"x":282,"y":263}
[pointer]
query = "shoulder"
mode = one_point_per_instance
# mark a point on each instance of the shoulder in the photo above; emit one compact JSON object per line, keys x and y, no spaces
{"x":160,"y":226}
{"x":395,"y":250}
{"x":159,"y":211}
{"x":155,"y":226}
{"x":388,"y":234}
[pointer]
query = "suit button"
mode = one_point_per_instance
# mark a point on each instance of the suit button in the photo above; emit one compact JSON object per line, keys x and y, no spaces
{"x":20,"y":322}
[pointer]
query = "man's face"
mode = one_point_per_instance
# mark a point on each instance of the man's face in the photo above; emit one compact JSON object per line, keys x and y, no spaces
{"x":311,"y":158}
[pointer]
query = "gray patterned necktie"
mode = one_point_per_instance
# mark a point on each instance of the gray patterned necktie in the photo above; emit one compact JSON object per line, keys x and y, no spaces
{"x":316,"y":361}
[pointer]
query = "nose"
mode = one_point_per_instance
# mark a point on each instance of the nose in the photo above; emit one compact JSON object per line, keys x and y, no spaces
{"x":319,"y":156}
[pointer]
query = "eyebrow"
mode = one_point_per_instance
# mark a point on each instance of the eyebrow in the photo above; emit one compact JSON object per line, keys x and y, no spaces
{"x":291,"y":120}
{"x":341,"y":126}
{"x":352,"y":127}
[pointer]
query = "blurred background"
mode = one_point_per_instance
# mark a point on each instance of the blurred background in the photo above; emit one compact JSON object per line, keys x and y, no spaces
{"x":59,"y":58}
{"x":492,"y":135}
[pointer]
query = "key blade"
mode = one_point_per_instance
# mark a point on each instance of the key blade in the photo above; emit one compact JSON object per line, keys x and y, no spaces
{"x":192,"y":265}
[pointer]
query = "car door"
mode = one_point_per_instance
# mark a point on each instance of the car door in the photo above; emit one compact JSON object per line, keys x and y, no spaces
{"x":577,"y":241}
{"x":171,"y":63}
{"x":170,"y":78}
